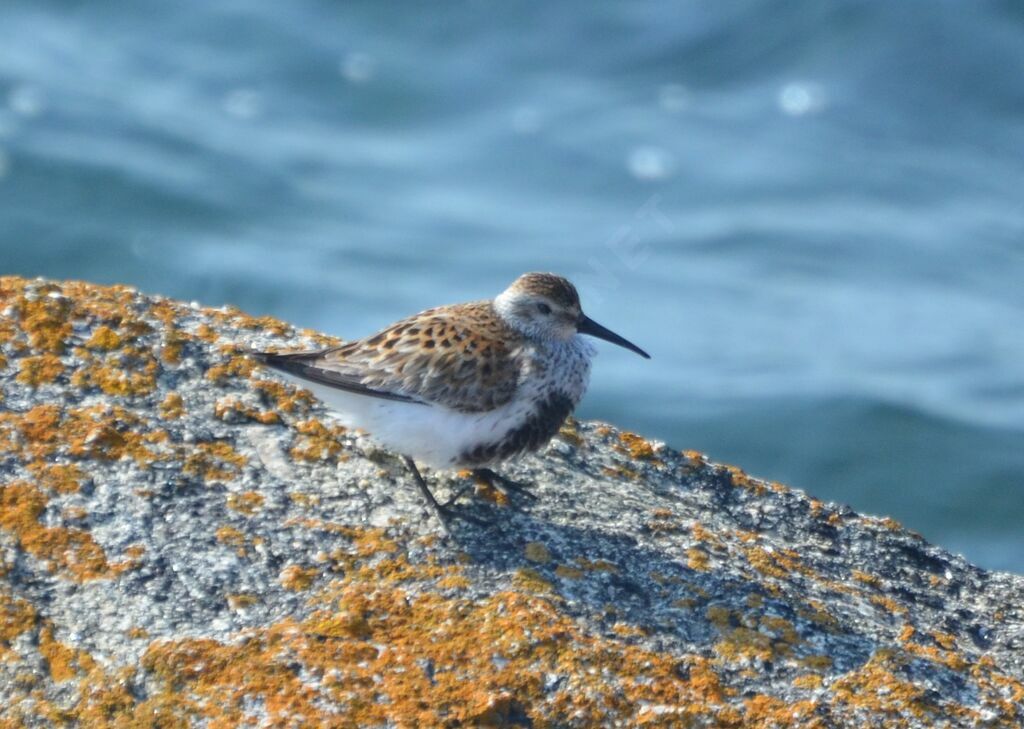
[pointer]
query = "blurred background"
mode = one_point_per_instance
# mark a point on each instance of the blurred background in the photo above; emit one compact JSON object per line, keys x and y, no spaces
{"x":811,"y":213}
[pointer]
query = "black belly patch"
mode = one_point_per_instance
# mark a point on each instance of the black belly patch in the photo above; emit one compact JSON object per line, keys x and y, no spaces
{"x":538,"y":429}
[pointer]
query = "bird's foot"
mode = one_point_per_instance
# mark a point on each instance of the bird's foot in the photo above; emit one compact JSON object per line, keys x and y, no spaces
{"x":444,"y":511}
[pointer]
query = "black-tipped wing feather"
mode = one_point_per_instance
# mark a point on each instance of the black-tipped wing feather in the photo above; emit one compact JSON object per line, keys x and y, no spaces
{"x":303,"y":366}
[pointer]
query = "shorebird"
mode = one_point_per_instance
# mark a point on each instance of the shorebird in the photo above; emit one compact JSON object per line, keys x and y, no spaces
{"x":465,"y":386}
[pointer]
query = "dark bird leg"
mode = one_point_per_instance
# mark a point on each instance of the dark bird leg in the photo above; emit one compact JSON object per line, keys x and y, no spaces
{"x":442,"y":511}
{"x":500,"y":483}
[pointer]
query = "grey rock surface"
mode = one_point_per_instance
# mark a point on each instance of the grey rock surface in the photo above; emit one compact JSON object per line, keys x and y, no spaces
{"x":184,"y":540}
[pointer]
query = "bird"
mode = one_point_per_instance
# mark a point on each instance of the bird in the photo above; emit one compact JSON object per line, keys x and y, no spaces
{"x":464,"y":386}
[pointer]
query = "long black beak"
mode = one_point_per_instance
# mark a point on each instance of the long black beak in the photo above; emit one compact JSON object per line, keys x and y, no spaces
{"x":586,"y":325}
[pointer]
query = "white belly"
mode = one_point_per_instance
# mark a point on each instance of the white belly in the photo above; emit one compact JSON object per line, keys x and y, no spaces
{"x":429,"y":434}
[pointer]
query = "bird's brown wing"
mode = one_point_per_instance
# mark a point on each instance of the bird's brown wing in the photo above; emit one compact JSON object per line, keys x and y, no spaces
{"x":462,"y":357}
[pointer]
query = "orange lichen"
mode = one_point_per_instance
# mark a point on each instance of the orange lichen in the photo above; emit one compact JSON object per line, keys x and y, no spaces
{"x":44,"y":318}
{"x":808,"y":681}
{"x":627,"y":630}
{"x":948,"y":658}
{"x":739,"y":478}
{"x":61,"y":478}
{"x":697,"y":559}
{"x":639,"y":448}
{"x":248,"y":502}
{"x":172,"y":407}
{"x":769,"y":711}
{"x":296,"y":578}
{"x":888,"y":604}
{"x":70,"y":550}
{"x":269,"y":325}
{"x":765,"y":638}
{"x":305,"y":500}
{"x":866,"y":578}
{"x":236,"y":366}
{"x":946,"y":640}
{"x":318,"y":442}
{"x":216,"y":461}
{"x":36,"y":371}
{"x":752,"y":636}
{"x":107,"y":433}
{"x":781,"y":564}
{"x":702,"y":534}
{"x":63,"y":661}
{"x":373,"y":638}
{"x":128,"y":373}
{"x":172,"y":346}
{"x":743,"y":643}
{"x":321,"y":340}
{"x":38,"y":427}
{"x":287,"y":398}
{"x":232,"y":410}
{"x":104,"y":338}
{"x":231,"y":537}
{"x":16,"y":617}
{"x":207,"y":333}
{"x":877,"y":687}
{"x":531,"y":580}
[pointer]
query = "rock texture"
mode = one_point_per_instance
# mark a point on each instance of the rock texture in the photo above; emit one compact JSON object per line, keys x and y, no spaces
{"x":186,"y":541}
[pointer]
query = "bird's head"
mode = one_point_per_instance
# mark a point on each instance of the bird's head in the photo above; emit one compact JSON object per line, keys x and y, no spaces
{"x":546,"y":307}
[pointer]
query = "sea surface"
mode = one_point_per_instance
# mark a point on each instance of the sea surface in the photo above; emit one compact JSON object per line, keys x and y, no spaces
{"x":810,"y":212}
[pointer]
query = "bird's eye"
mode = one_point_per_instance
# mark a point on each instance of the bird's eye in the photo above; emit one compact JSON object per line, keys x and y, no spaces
{"x":543,"y":308}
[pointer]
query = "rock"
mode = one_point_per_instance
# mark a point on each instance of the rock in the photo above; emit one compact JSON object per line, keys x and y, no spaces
{"x":186,"y":540}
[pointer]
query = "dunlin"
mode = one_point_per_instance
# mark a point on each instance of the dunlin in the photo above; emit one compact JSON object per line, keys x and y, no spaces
{"x":462,"y":386}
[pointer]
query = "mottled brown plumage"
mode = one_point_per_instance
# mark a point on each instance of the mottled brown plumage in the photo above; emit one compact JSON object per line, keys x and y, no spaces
{"x":463,"y":357}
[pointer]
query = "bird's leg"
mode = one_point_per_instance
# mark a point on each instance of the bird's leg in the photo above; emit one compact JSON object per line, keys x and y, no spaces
{"x":442,"y":511}
{"x":500,"y":483}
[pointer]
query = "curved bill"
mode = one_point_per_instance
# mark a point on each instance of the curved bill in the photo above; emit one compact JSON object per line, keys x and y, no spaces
{"x":586,"y":325}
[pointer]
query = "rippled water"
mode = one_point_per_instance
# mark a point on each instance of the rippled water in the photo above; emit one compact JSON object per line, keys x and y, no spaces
{"x":811,"y":213}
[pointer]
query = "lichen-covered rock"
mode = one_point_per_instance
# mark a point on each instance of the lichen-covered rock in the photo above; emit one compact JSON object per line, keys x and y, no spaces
{"x":184,"y":541}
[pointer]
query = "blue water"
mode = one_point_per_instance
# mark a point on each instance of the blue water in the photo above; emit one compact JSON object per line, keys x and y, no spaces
{"x":811,"y":213}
